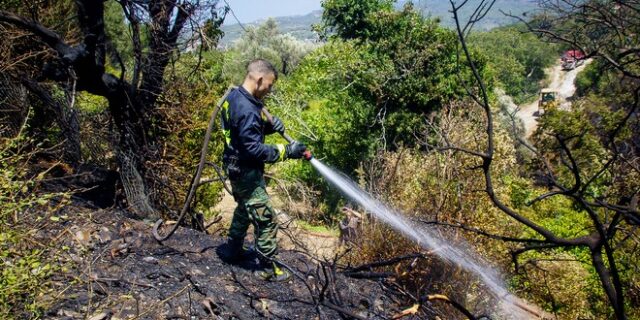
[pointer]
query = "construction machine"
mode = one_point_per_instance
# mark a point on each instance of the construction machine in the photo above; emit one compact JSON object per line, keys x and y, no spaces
{"x":548,"y":100}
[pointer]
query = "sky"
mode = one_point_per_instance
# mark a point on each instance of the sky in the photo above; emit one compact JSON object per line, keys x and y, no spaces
{"x":252,"y":10}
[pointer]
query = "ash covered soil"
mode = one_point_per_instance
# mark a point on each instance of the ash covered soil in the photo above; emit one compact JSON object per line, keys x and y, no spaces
{"x":113,"y":268}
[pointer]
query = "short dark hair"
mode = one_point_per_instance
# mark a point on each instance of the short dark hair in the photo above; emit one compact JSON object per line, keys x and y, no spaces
{"x":262,"y":66}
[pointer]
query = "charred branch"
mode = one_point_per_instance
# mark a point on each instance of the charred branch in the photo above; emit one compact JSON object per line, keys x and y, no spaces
{"x":66,"y":119}
{"x":481,"y":232}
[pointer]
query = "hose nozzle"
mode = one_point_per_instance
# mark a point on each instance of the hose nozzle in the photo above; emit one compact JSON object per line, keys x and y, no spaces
{"x":307,"y":155}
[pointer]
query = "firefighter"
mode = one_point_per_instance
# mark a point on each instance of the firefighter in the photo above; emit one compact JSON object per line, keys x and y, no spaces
{"x":244,"y":157}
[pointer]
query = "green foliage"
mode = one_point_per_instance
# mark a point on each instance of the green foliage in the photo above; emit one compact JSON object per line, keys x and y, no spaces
{"x":350,"y":98}
{"x":90,"y":104}
{"x":22,"y":279}
{"x":419,"y":68}
{"x":322,"y":102}
{"x":321,"y":105}
{"x":588,"y":79}
{"x":578,"y":131}
{"x":583,"y":136}
{"x":118,"y":32}
{"x":120,"y":47}
{"x":561,"y":280}
{"x":424,"y":73}
{"x":211,"y":30}
{"x":405,"y":65}
{"x":321,"y":229}
{"x":520,"y":191}
{"x":517,"y":59}
{"x":351,"y":19}
{"x":24,"y":269}
{"x":213,"y":33}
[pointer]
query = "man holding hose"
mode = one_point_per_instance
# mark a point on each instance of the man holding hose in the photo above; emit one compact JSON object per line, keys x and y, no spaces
{"x":245,"y":154}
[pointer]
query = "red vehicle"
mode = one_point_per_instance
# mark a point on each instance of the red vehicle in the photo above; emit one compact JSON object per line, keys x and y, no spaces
{"x":572,"y":59}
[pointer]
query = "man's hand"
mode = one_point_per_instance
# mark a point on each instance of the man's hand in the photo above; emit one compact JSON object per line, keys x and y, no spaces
{"x":277,"y":125}
{"x":295,"y":150}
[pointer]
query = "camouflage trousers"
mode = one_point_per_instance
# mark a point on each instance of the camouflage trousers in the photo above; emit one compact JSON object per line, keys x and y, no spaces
{"x":254,"y":207}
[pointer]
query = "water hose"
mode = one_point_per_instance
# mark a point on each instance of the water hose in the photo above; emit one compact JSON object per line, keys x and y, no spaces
{"x":195,"y":181}
{"x":307,"y":153}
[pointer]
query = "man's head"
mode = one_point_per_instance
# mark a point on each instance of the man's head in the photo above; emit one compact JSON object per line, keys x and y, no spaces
{"x":260,"y":77}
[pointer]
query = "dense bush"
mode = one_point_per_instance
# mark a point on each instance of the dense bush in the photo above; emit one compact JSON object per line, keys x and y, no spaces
{"x":351,"y":19}
{"x":440,"y":188}
{"x":370,"y":90}
{"x":590,"y":130}
{"x":432,"y":189}
{"x":588,"y":80}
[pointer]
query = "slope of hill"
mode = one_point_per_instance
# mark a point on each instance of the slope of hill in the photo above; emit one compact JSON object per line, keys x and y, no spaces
{"x":495,"y":18}
{"x":300,"y":26}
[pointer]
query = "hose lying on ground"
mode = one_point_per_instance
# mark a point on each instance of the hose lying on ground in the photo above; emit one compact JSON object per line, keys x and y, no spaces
{"x":195,"y":182}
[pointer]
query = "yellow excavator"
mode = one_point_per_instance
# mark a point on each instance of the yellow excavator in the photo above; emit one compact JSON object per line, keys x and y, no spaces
{"x":548,"y":100}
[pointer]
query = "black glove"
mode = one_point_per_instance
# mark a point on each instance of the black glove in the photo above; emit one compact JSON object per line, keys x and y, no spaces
{"x":295,"y":150}
{"x":277,"y":125}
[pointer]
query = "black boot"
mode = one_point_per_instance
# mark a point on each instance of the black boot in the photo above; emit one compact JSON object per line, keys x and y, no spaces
{"x":232,"y":251}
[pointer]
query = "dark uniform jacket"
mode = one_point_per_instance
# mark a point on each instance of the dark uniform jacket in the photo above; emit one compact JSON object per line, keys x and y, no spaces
{"x":244,"y":130}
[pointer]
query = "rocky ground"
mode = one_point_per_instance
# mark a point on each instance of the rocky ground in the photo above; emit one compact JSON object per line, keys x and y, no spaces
{"x":115,"y":269}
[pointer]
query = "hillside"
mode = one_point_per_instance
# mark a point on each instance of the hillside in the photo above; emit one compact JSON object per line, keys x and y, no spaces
{"x":300,"y":26}
{"x":397,"y":169}
{"x":494,"y":19}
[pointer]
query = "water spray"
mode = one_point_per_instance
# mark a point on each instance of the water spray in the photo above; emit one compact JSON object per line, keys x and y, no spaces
{"x":512,"y":307}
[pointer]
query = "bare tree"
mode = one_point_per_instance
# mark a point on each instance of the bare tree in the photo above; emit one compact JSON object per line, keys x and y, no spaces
{"x":605,"y":30}
{"x":132,"y":95}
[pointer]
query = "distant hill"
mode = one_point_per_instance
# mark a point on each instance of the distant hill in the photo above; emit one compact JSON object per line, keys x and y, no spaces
{"x":297,"y":26}
{"x":300,"y":26}
{"x":495,"y":18}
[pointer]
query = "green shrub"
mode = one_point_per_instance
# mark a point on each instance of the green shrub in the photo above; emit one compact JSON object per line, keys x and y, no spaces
{"x":25,"y":268}
{"x":588,"y":79}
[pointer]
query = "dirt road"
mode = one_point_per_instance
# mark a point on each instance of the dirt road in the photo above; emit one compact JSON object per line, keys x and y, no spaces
{"x":561,"y":81}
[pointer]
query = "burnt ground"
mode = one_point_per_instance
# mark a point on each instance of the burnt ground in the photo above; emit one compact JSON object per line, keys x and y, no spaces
{"x":113,"y":268}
